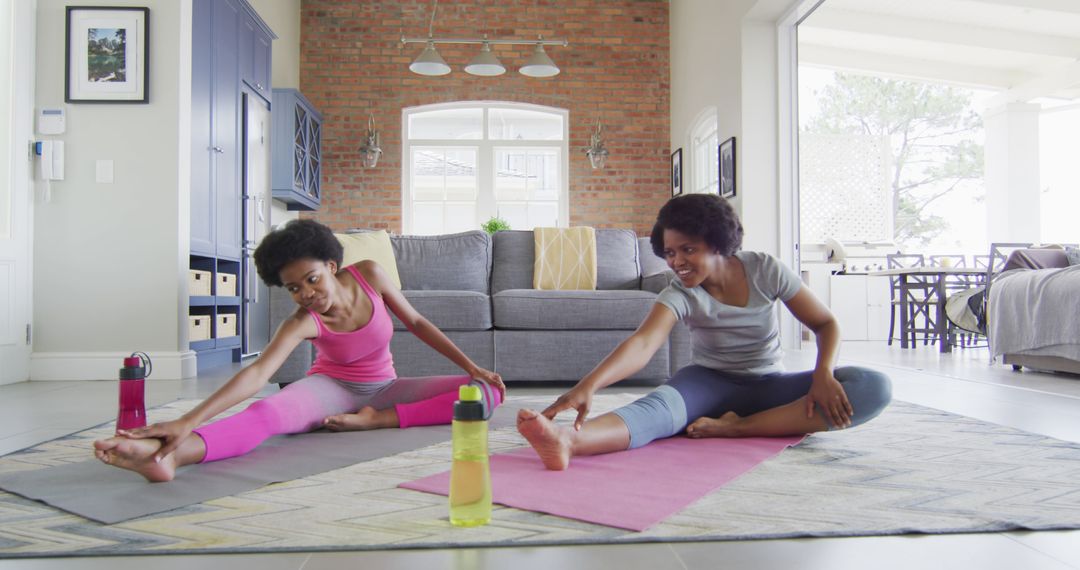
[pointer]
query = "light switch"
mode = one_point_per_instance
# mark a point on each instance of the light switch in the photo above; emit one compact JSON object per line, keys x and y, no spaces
{"x":105,"y":171}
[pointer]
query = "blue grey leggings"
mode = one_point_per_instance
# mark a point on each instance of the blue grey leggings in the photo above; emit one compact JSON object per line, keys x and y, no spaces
{"x":697,"y":391}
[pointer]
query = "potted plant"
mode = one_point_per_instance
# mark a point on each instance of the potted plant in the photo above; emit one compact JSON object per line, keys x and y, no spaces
{"x":495,"y":224}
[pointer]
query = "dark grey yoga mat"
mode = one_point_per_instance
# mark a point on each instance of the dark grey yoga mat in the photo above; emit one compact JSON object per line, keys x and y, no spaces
{"x":109,"y":495}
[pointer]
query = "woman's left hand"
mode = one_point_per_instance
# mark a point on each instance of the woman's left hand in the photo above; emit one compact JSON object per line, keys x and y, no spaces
{"x":489,"y":377}
{"x":827,"y":392}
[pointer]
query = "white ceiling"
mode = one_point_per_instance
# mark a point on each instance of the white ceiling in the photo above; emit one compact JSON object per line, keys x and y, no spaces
{"x":1026,"y":49}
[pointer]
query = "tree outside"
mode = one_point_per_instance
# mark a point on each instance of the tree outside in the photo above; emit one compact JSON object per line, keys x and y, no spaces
{"x":935,"y":139}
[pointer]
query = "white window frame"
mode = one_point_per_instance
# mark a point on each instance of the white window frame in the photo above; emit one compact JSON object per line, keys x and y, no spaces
{"x":704,"y":146}
{"x":485,"y":167}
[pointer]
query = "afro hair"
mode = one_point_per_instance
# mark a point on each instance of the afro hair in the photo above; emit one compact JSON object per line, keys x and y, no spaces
{"x":298,"y":239}
{"x":706,"y":216}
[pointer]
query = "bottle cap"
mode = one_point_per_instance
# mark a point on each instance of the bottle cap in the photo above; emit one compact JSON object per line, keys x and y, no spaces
{"x":469,"y":393}
{"x":132,"y":361}
{"x":469,"y":406}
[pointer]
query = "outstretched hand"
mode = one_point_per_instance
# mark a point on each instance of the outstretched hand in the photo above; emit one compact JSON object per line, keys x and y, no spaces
{"x":491,"y":378}
{"x":171,"y":434}
{"x":826,"y":391}
{"x":578,"y":398}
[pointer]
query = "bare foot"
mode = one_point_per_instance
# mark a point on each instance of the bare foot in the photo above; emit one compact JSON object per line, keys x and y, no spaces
{"x":550,"y":441}
{"x":724,"y":426}
{"x":136,"y":455}
{"x":364,"y":419}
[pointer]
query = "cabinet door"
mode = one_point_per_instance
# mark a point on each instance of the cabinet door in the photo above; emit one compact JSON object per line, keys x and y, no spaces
{"x":260,"y":62}
{"x":314,"y":157}
{"x":202,"y":202}
{"x":255,"y":56}
{"x":225,"y":116}
{"x":300,"y":150}
{"x":848,"y":304}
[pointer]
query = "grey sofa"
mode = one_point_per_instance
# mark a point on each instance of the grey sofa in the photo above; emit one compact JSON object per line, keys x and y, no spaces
{"x":478,"y":290}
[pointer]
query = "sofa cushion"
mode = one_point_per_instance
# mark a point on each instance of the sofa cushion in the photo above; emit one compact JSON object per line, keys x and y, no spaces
{"x":531,"y":309}
{"x":564,"y":356}
{"x":444,"y":262}
{"x":514,"y":255}
{"x":450,"y":310}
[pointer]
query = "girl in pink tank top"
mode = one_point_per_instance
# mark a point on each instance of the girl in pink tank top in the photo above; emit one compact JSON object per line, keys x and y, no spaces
{"x":351,"y":386}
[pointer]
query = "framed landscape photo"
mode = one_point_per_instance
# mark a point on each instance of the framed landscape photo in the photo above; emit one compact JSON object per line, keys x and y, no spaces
{"x":108,"y":54}
{"x":676,"y":172}
{"x":727,"y":168}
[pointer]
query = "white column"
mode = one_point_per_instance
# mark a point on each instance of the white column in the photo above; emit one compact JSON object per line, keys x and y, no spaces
{"x":1011,"y":172}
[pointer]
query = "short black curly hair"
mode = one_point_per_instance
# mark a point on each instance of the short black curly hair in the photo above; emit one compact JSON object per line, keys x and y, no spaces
{"x":707,"y":216}
{"x":298,"y":239}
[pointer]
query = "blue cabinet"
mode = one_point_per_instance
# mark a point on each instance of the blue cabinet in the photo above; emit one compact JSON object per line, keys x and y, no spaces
{"x":297,"y":151}
{"x":230,"y":57}
{"x":255,"y":41}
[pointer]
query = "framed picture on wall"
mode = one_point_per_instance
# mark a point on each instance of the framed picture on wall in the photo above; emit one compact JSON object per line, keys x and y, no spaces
{"x":727,"y":168}
{"x":676,"y":172}
{"x":107,"y":55}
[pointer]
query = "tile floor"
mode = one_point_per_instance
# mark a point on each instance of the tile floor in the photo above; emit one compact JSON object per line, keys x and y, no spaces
{"x":963,"y":382}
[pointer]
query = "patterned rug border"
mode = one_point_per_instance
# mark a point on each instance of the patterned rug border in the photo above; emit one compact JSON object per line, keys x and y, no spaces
{"x":470,"y":538}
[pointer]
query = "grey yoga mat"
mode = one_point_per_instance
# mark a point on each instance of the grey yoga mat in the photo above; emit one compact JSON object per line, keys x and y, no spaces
{"x":109,"y":495}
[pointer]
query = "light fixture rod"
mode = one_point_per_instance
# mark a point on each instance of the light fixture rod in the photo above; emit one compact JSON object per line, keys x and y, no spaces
{"x":562,"y":43}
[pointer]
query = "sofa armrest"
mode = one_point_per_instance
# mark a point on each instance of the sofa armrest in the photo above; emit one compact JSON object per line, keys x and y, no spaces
{"x":1036,"y":259}
{"x":656,"y":282}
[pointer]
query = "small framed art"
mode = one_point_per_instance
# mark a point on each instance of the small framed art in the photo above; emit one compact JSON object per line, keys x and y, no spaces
{"x":727,"y":168}
{"x":108,"y":55}
{"x":676,"y":172}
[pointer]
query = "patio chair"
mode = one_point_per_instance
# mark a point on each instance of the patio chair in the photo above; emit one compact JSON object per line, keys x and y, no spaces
{"x":920,"y":297}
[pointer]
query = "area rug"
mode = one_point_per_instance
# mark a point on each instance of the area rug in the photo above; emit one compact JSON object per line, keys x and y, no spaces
{"x":105,"y":494}
{"x":911,"y":470}
{"x":632,"y":490}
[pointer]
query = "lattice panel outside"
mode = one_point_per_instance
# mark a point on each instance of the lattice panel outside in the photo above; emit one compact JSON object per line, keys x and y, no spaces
{"x":844,"y":188}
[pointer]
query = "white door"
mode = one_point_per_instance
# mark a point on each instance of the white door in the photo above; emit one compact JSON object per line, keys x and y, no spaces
{"x":16,"y":111}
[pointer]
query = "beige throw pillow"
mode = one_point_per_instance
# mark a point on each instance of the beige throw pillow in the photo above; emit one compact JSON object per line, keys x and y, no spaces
{"x":565,"y":259}
{"x":371,"y":245}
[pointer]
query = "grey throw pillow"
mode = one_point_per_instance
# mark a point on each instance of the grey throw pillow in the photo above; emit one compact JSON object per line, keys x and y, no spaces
{"x":1073,"y":253}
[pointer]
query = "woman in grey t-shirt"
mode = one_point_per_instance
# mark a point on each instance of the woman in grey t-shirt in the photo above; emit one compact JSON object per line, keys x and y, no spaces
{"x":735,"y":385}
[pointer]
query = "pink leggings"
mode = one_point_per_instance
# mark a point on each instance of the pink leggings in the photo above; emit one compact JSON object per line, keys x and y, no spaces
{"x":302,"y":406}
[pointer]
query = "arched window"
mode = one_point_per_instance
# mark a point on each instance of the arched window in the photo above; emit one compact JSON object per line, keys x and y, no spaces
{"x":704,"y":153}
{"x":466,"y":162}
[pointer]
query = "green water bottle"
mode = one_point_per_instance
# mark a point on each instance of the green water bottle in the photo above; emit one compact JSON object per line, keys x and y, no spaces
{"x":470,"y":477}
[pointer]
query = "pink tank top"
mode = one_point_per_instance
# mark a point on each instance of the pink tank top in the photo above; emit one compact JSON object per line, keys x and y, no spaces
{"x":362,"y":355}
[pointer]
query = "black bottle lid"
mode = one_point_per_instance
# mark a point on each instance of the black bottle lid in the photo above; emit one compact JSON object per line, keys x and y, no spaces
{"x":469,"y":407}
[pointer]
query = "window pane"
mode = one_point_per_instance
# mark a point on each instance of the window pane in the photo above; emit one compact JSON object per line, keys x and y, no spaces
{"x":543,"y":174}
{"x":543,"y":214}
{"x":521,"y":124}
{"x":428,"y":172}
{"x":455,"y":124}
{"x":461,"y":174}
{"x":460,"y":217}
{"x":515,"y":213}
{"x":427,"y":218}
{"x":511,"y":174}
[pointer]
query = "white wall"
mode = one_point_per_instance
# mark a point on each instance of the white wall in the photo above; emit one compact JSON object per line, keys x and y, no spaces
{"x":724,"y":54}
{"x":109,"y":258}
{"x":283,"y":16}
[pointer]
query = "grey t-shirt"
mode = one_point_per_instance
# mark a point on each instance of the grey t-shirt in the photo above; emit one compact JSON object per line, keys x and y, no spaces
{"x":736,"y":339}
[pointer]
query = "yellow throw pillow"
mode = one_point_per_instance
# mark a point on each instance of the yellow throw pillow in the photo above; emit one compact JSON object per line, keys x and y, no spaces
{"x":565,"y":259}
{"x":371,"y":245}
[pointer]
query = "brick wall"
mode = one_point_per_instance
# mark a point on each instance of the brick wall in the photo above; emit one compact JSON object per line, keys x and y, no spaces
{"x":616,"y":67}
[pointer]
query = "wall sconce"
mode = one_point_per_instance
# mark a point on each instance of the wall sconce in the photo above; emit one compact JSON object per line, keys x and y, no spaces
{"x":370,"y":150}
{"x":485,"y":64}
{"x":596,"y":152}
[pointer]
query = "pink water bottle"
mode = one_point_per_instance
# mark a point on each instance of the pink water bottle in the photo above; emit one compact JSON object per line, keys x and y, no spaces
{"x":132,"y":412}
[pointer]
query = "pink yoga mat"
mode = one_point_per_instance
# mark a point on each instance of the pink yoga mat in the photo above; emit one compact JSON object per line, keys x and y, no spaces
{"x":632,"y":489}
